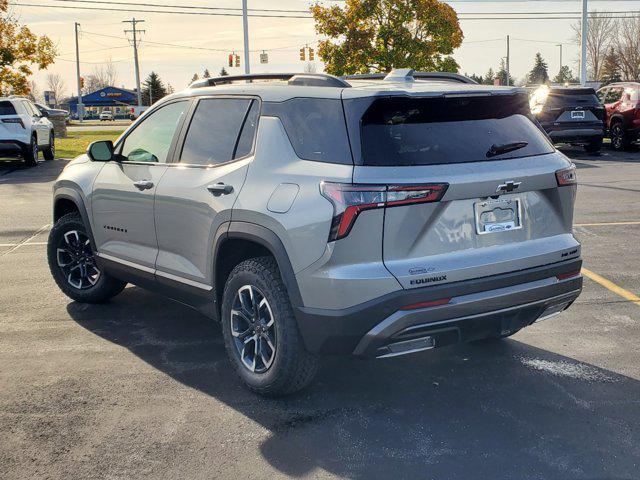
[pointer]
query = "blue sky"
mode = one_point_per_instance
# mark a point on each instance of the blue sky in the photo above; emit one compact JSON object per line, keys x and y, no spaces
{"x":483,"y":47}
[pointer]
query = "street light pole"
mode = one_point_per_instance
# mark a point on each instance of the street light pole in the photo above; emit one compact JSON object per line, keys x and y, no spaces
{"x":583,"y":35}
{"x":79,"y":105}
{"x":560,"y":45}
{"x":507,"y":61}
{"x":245,"y":27}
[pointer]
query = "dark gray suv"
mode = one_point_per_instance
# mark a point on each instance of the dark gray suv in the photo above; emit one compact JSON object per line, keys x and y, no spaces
{"x":317,"y":215}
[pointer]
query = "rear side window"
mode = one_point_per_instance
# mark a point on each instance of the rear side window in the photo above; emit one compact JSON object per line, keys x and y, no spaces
{"x":429,"y":131}
{"x":7,"y":108}
{"x":214,"y":132}
{"x":315,"y":127}
{"x":614,"y":95}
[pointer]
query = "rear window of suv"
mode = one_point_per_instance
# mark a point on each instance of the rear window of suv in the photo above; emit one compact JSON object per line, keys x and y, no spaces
{"x":571,"y":98}
{"x":405,"y":131}
{"x":7,"y":108}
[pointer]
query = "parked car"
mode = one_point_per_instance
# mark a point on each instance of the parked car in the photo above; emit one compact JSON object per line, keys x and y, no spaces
{"x":622,"y":121}
{"x":51,"y":112}
{"x":317,"y":215}
{"x":106,"y":116}
{"x":571,"y":115}
{"x":24,"y":131}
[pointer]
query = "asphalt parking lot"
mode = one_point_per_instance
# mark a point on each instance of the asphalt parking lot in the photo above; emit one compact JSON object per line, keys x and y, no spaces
{"x":141,"y":388}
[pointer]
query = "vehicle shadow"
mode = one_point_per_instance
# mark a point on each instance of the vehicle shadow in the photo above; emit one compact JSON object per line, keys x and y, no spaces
{"x":504,"y":410}
{"x":16,"y":172}
{"x":605,"y":155}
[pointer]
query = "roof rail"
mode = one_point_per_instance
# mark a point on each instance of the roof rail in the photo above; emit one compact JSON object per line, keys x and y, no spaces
{"x":300,"y":79}
{"x":406,"y":74}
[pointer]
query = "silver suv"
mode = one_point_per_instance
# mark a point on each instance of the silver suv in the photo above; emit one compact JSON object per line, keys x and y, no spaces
{"x":317,"y":215}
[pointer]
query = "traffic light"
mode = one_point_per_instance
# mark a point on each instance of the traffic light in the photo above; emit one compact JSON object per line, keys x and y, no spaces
{"x":81,"y":82}
{"x":231,"y":59}
{"x":303,"y":57}
{"x":311,"y":54}
{"x":237,"y":60}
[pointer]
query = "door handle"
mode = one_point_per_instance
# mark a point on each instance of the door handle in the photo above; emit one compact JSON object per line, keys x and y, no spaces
{"x":220,"y":189}
{"x":143,"y":184}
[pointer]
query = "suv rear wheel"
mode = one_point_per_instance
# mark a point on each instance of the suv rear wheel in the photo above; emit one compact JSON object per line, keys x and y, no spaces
{"x":31,"y":153}
{"x":619,"y":138}
{"x":73,"y":265}
{"x":49,"y":153}
{"x":260,"y":331}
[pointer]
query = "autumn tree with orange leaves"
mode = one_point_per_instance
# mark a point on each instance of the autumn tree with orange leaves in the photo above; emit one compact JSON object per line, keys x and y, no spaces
{"x":20,"y":50}
{"x":368,"y":36}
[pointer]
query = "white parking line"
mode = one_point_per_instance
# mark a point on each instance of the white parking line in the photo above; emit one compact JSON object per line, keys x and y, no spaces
{"x":5,"y":245}
{"x":15,"y":246}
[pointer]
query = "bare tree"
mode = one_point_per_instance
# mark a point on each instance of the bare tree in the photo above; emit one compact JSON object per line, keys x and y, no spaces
{"x":627,"y":44}
{"x":34,"y":91}
{"x":599,"y":34}
{"x":101,"y":77}
{"x":310,"y":67}
{"x":56,"y":84}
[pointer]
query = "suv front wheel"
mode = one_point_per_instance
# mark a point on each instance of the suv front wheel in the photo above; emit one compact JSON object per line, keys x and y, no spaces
{"x":260,"y":331}
{"x":73,"y":265}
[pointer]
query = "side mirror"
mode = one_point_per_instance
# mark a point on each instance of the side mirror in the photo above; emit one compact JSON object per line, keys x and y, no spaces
{"x":44,"y":113}
{"x":101,"y":151}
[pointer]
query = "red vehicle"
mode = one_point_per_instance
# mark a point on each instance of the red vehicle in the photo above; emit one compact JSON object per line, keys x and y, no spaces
{"x":622,"y":118}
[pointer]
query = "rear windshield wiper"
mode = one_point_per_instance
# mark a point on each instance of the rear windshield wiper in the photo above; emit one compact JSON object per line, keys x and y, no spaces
{"x":505,"y":148}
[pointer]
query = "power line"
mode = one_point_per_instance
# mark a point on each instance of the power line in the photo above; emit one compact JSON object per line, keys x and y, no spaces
{"x":192,"y":7}
{"x":137,"y":10}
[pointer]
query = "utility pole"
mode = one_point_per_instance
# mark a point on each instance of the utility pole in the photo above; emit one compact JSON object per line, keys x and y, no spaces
{"x":507,"y":61}
{"x":135,"y":32}
{"x":583,"y":35}
{"x":560,"y":45}
{"x":245,"y":26}
{"x":79,"y":105}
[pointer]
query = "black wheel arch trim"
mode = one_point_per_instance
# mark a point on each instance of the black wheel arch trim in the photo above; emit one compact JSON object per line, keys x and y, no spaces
{"x":268,"y":239}
{"x":66,"y":193}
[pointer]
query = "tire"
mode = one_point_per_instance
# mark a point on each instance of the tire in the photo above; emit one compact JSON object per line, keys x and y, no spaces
{"x":49,"y":152}
{"x":31,"y":153}
{"x":619,"y":138}
{"x":97,"y":286}
{"x":594,"y":146}
{"x":283,"y":369}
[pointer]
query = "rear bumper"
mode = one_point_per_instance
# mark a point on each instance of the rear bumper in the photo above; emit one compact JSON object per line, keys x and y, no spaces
{"x":577,"y":135}
{"x":12,"y":148}
{"x":479,"y":308}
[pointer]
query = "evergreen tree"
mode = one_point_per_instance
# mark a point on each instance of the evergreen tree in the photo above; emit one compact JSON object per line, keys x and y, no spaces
{"x":502,"y":74}
{"x":489,"y":77}
{"x":539,"y":73}
{"x":194,"y":78}
{"x":475,"y":78}
{"x":206,"y":73}
{"x":611,"y":67}
{"x":565,"y":76}
{"x":223,"y":72}
{"x":153,"y":89}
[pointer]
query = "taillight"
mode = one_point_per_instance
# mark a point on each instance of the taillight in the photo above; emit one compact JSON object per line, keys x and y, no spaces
{"x":13,"y":120}
{"x":350,"y":199}
{"x":567,"y":176}
{"x":432,"y":303}
{"x":564,"y":276}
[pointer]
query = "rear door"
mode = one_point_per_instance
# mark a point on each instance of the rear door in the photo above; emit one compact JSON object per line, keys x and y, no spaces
{"x":198,"y":191}
{"x":571,"y":107}
{"x":502,"y":209}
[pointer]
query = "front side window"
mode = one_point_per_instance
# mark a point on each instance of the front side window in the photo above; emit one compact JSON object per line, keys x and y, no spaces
{"x":214,"y":132}
{"x":151,"y":140}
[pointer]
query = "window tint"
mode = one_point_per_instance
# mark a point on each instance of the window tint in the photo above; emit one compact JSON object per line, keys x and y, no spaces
{"x":150,"y":141}
{"x":245,"y":143}
{"x":7,"y":108}
{"x":571,"y":98}
{"x":315,"y":127}
{"x":405,"y":131}
{"x":213,"y":132}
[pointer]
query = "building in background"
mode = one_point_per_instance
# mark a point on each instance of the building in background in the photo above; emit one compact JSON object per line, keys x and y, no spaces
{"x":118,"y":101}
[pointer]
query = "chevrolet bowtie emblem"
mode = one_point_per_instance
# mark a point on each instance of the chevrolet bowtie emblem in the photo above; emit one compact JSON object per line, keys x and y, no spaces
{"x":509,"y":186}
